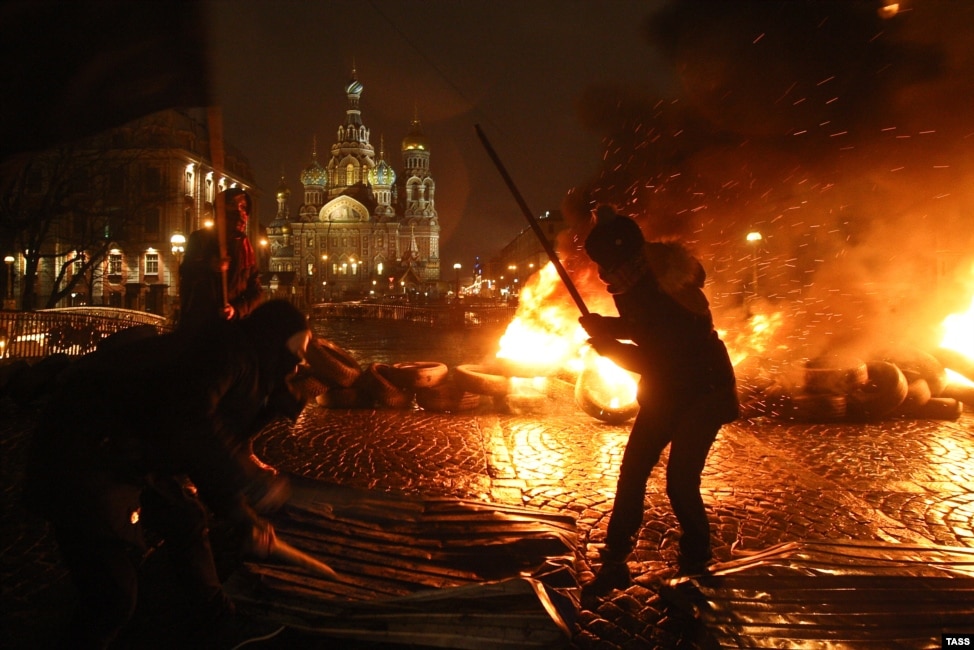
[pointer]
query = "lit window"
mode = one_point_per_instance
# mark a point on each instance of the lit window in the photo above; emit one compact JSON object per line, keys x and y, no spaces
{"x":152,"y":263}
{"x":114,"y":264}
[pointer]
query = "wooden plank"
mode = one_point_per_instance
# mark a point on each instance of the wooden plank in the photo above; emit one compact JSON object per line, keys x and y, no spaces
{"x":437,"y":572}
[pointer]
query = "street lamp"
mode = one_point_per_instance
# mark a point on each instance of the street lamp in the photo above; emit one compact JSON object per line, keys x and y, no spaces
{"x":178,"y":244}
{"x":9,"y":259}
{"x":456,"y":270}
{"x":754,"y":240}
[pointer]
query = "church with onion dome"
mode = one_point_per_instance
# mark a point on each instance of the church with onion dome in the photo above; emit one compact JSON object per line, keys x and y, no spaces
{"x":362,"y":229}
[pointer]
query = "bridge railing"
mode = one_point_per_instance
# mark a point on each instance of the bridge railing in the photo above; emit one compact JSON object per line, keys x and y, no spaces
{"x":432,"y":316}
{"x":73,"y":330}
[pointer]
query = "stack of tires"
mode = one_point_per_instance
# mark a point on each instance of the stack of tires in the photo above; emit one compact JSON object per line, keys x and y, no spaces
{"x":333,"y":378}
{"x":903,"y":383}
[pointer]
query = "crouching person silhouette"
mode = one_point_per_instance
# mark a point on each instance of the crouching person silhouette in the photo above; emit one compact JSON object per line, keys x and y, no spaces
{"x":146,"y":433}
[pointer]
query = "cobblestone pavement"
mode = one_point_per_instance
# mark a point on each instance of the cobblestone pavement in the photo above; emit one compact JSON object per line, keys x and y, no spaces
{"x":766,"y":482}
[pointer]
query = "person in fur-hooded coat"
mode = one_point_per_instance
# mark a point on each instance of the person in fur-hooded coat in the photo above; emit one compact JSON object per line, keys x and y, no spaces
{"x":687,"y":390}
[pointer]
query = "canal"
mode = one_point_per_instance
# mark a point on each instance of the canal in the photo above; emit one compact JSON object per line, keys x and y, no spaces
{"x":384,"y":341}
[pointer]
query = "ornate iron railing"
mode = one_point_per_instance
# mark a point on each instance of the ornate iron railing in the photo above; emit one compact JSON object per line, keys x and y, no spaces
{"x":73,"y":330}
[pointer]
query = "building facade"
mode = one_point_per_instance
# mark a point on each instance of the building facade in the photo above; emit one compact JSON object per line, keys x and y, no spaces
{"x":137,"y":191}
{"x":362,"y":229}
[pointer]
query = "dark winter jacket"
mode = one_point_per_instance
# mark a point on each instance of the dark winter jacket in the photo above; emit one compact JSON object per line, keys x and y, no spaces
{"x":665,"y":315}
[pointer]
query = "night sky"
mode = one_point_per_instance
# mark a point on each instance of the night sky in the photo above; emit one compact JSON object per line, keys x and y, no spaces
{"x":516,"y":68}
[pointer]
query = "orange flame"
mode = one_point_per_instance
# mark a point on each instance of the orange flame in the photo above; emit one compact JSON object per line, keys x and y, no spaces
{"x":545,"y":334}
{"x":752,"y":338}
{"x":544,"y":331}
{"x":959,"y":332}
{"x":958,"y":337}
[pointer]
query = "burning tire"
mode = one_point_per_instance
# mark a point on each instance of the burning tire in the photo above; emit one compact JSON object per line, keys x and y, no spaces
{"x":835,"y":374}
{"x":918,"y":364}
{"x":418,"y":374}
{"x":511,"y":368}
{"x":955,"y":361}
{"x":937,"y":408}
{"x":331,"y":364}
{"x":813,"y":407}
{"x":882,"y":394}
{"x":961,"y":393}
{"x":593,"y":397}
{"x":479,"y":379}
{"x":446,"y":397}
{"x":917,"y":395}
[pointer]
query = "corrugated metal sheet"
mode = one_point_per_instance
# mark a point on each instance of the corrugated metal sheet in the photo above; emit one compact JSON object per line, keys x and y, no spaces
{"x":438,"y":572}
{"x":834,"y":595}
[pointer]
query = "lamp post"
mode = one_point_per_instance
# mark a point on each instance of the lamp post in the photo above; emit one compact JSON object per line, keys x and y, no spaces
{"x":9,"y":259}
{"x":513,"y":269}
{"x":754,"y":240}
{"x":456,"y":270}
{"x":264,"y":263}
{"x":178,"y":244}
{"x":324,"y":277}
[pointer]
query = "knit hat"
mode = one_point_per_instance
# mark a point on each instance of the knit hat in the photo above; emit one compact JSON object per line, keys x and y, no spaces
{"x":615,"y":239}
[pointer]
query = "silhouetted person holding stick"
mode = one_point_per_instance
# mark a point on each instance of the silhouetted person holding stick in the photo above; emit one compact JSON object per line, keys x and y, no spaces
{"x":216,"y":285}
{"x":686,"y":389}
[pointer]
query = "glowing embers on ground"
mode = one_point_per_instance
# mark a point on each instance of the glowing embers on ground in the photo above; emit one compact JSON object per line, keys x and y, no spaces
{"x":545,"y":339}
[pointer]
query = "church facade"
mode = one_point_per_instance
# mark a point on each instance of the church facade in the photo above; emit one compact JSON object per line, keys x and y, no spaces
{"x":362,"y":229}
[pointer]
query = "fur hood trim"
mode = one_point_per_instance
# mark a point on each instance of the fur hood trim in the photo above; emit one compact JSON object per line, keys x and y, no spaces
{"x":678,"y":273}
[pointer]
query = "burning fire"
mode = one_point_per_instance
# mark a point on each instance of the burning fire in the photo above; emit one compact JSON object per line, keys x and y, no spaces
{"x":958,"y":337}
{"x":754,"y":338}
{"x":545,"y":332}
{"x":545,"y":335}
{"x":959,"y":332}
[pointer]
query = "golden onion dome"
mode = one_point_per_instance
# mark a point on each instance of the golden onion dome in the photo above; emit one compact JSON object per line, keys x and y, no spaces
{"x":283,"y":191}
{"x":415,"y":139}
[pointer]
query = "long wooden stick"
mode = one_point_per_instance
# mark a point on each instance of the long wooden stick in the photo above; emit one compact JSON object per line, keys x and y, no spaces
{"x":548,"y":248}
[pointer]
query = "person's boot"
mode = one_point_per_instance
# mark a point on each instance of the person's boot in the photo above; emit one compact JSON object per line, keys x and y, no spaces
{"x":693,"y":565}
{"x":614,"y":574}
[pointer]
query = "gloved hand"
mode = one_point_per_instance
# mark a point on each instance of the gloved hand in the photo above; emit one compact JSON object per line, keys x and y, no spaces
{"x":256,"y":535}
{"x":595,"y":325}
{"x":606,"y":347}
{"x":261,"y":541}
